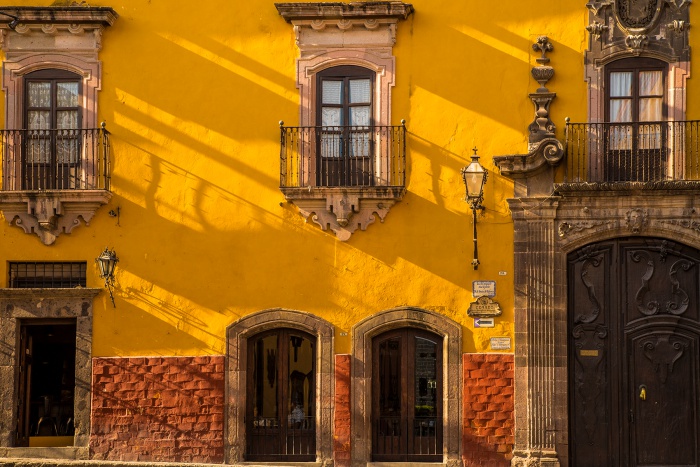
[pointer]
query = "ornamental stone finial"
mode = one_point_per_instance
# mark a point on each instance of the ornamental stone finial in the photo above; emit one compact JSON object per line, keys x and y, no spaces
{"x":543,"y":45}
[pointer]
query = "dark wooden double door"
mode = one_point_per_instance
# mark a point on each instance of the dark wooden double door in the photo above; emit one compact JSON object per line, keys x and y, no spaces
{"x":634,"y":332}
{"x":280,"y":413}
{"x":407,"y":397}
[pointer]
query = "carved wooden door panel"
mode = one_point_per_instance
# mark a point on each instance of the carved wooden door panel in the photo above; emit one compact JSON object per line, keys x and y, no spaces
{"x":634,"y":332}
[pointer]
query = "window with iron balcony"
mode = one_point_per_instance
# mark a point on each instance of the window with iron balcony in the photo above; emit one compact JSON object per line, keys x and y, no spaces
{"x":344,"y":165}
{"x":637,"y":132}
{"x":55,"y":155}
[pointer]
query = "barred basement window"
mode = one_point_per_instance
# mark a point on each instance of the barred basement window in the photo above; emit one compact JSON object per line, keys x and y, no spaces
{"x":47,"y":275}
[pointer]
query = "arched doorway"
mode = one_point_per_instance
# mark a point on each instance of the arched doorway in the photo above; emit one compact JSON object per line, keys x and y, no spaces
{"x":633,"y":348}
{"x":407,"y":382}
{"x":280,"y":415}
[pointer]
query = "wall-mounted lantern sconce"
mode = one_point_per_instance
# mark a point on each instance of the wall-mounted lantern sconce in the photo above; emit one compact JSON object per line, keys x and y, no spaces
{"x":12,"y":24}
{"x":474,"y":176}
{"x":107,"y":261}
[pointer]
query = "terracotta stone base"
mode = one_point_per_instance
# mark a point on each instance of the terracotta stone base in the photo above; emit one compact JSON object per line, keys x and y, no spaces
{"x":158,"y":409}
{"x":488,"y":431}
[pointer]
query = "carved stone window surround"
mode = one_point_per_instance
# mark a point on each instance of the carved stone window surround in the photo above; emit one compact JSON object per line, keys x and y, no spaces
{"x":35,"y":304}
{"x":64,"y":38}
{"x":336,"y":34}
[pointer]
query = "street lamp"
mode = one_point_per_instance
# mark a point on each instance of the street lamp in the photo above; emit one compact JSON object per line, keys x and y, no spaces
{"x":474,"y":176}
{"x":107,"y":261}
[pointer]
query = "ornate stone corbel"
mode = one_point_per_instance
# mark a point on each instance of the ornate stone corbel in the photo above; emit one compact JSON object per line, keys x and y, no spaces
{"x":597,"y":5}
{"x":678,"y":26}
{"x":636,"y":41}
{"x":596,"y":29}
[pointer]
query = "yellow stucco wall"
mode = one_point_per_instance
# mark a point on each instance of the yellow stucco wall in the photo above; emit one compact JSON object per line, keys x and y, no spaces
{"x":192,"y":93}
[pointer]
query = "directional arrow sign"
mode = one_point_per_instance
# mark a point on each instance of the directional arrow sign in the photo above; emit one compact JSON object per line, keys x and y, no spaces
{"x":483,"y":322}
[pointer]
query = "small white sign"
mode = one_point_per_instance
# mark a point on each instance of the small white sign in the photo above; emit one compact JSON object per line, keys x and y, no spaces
{"x":502,"y":273}
{"x":483,"y":322}
{"x":500,"y":343}
{"x":484,"y":288}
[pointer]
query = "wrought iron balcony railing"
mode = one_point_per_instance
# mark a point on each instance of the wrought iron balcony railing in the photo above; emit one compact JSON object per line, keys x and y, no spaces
{"x":633,"y":152}
{"x":343,"y":156}
{"x":66,"y":159}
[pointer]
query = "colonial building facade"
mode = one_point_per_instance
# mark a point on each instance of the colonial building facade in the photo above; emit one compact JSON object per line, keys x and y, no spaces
{"x":244,"y":233}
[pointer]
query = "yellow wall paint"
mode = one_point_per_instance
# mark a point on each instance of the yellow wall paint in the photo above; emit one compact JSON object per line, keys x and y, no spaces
{"x":192,"y":93}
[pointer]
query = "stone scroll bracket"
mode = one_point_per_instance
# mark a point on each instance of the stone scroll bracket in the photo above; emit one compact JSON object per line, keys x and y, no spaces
{"x":344,"y":210}
{"x":49,"y":214}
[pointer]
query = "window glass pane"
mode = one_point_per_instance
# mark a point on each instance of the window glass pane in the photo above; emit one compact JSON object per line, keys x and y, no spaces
{"x":390,"y":389}
{"x":620,"y":110}
{"x":67,"y":119}
{"x":331,"y":145}
{"x":621,"y":84}
{"x":360,"y":90}
{"x":300,"y":382}
{"x":649,"y":137}
{"x":426,"y":379}
{"x":332,"y":92}
{"x":620,"y":137}
{"x":650,"y":109}
{"x":67,"y":94}
{"x":39,"y":94}
{"x":359,"y":116}
{"x":650,"y":83}
{"x":265,"y":381}
{"x":331,"y":116}
{"x":38,"y":120}
{"x":359,"y":144}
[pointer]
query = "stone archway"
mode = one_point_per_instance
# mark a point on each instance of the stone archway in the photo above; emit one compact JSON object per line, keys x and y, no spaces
{"x":410,"y":317}
{"x":237,"y":336}
{"x":546,"y":230}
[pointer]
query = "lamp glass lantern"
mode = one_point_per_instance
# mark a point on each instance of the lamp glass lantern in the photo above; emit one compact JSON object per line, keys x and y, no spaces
{"x":474,"y":176}
{"x":107,"y":262}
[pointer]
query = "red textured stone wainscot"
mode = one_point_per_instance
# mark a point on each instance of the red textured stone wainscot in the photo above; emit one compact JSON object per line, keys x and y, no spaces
{"x":158,"y":409}
{"x":488,"y":433}
{"x":341,"y":421}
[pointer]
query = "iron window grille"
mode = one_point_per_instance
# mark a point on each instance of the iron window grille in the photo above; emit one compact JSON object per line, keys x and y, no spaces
{"x":47,"y":275}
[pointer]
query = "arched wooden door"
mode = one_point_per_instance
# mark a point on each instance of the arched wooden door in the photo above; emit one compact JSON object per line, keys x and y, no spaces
{"x":407,"y":396}
{"x":634,"y":338}
{"x":280,"y":413}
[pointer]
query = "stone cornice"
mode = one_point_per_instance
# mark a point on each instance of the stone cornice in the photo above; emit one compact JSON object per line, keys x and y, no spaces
{"x":639,"y":188}
{"x":30,"y":294}
{"x":348,"y":11}
{"x":74,"y":15}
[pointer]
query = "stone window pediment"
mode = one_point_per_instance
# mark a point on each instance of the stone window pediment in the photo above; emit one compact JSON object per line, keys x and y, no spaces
{"x":55,"y":174}
{"x":366,"y":157}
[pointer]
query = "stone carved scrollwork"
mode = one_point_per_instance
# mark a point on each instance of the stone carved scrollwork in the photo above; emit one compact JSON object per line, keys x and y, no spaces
{"x":566,"y":227}
{"x":544,"y":149}
{"x":639,"y":25}
{"x":636,"y":219}
{"x":634,"y":14}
